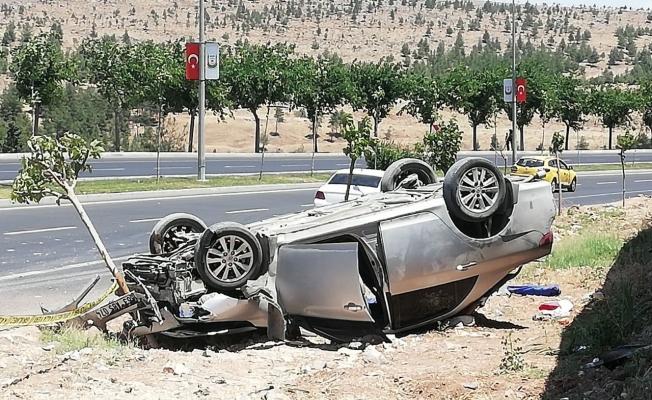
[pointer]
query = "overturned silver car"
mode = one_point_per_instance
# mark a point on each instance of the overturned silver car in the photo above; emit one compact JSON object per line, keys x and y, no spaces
{"x":419,"y":252}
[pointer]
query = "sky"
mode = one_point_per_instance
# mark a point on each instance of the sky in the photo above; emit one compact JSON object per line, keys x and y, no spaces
{"x":634,"y":4}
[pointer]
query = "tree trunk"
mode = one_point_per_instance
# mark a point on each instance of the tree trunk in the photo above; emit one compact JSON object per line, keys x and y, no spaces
{"x":567,"y":137}
{"x":475,"y":137}
{"x":116,"y":144}
{"x":622,"y":167}
{"x":558,"y":183}
{"x":376,"y":125}
{"x":350,"y":179}
{"x":314,"y":134}
{"x":37,"y":116}
{"x":257,"y":137}
{"x":97,"y":240}
{"x":192,"y":131}
{"x":522,"y":141}
{"x":611,"y":132}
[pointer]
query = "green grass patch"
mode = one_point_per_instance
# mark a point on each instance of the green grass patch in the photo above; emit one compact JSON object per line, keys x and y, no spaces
{"x":585,"y":250}
{"x":610,"y":167}
{"x":71,"y":339}
{"x":149,"y":184}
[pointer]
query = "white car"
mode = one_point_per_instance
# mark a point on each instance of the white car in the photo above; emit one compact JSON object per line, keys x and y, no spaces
{"x":364,"y":181}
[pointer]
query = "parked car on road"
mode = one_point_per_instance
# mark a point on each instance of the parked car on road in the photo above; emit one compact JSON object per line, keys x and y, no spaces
{"x":363,"y":181}
{"x":418,"y":252}
{"x":527,"y":166}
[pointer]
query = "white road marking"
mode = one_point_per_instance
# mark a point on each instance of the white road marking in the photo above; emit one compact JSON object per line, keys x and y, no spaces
{"x":144,"y":220}
{"x":64,"y":268}
{"x":174,"y":168}
{"x":62,"y":228}
{"x":643,"y":180}
{"x":343,"y":165}
{"x":193,"y":196}
{"x":606,"y":183}
{"x":307,"y":205}
{"x":246,"y":211}
{"x":295,"y":165}
{"x":108,"y":169}
{"x":239,"y":166}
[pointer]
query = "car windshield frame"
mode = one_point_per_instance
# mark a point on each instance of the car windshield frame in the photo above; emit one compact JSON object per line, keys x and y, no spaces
{"x":365,"y":180}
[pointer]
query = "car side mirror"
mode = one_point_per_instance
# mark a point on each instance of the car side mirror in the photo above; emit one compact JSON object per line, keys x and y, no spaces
{"x":570,"y":167}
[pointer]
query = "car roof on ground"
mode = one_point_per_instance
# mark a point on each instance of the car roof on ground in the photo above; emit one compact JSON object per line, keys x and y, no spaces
{"x":361,"y":171}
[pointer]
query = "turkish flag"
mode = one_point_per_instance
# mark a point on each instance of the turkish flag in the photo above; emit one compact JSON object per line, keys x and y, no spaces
{"x":192,"y":61}
{"x":521,"y":90}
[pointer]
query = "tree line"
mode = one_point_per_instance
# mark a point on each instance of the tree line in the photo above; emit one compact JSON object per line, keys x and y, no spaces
{"x":117,"y":77}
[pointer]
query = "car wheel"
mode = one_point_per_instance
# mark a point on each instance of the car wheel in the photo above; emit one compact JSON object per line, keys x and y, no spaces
{"x":553,"y":185}
{"x":228,"y":255}
{"x":474,"y":189}
{"x":170,"y":232}
{"x":573,"y":185}
{"x":401,"y":169}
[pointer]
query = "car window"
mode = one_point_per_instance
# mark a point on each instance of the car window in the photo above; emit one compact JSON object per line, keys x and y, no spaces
{"x":553,"y":163}
{"x":563,"y":164}
{"x":529,"y":163}
{"x":358,"y":180}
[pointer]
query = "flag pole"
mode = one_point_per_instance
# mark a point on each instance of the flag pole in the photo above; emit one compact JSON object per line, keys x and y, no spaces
{"x":201,"y":139}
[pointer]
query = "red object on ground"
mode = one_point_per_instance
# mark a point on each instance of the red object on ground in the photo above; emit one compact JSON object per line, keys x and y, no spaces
{"x":192,"y":61}
{"x":549,"y":306}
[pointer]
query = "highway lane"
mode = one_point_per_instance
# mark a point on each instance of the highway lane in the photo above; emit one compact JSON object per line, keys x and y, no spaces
{"x":36,"y":239}
{"x":138,"y":165}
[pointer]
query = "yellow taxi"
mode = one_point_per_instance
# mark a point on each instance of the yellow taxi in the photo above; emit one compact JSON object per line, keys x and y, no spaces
{"x":528,"y":166}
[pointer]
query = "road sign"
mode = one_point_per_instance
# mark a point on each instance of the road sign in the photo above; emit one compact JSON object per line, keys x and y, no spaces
{"x":521,"y":92}
{"x":212,"y":61}
{"x":507,"y":91}
{"x":192,"y":61}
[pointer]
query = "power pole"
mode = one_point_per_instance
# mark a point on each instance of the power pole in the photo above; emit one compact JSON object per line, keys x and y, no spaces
{"x":514,"y":133}
{"x":201,"y":139}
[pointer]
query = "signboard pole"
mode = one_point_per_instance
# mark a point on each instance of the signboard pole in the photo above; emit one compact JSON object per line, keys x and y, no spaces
{"x":201,"y":139}
{"x":514,"y":132}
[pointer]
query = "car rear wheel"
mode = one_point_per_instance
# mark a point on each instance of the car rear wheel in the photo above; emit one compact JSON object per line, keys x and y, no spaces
{"x":474,"y":189}
{"x":171,"y":232}
{"x":401,"y":169}
{"x":573,"y":185}
{"x":228,"y":255}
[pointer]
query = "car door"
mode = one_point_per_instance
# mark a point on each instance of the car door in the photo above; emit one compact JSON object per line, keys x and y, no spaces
{"x":565,"y":173}
{"x":319,"y":286}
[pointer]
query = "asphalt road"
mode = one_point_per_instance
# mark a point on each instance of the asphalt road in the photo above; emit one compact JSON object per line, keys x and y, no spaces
{"x":45,"y":251}
{"x":175,"y":164}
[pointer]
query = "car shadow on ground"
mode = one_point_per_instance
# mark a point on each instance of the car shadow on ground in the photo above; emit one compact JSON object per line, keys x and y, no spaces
{"x":618,"y":314}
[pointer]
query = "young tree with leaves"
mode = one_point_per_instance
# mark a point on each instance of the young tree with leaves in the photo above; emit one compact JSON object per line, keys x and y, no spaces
{"x":474,"y":93}
{"x":556,"y":148}
{"x":426,"y":97}
{"x":257,"y":75}
{"x":40,"y":68}
{"x":320,"y":87}
{"x":570,"y":103}
{"x":625,"y":142}
{"x":357,"y":141}
{"x":613,"y":105}
{"x":114,"y":70}
{"x":52,"y":169}
{"x":442,"y":145}
{"x":377,"y":88}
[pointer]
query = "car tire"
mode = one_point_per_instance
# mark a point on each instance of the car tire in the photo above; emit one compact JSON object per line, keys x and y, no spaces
{"x":573,"y":185}
{"x":241,"y":260}
{"x":400,"y":169}
{"x":163,"y":239}
{"x":456,"y":195}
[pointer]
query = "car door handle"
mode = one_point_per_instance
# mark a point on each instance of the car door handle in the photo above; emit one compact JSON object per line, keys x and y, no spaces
{"x":353,"y":307}
{"x":464,"y":267}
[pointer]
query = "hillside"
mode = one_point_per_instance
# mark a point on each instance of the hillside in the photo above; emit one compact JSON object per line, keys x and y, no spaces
{"x":366,"y":30}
